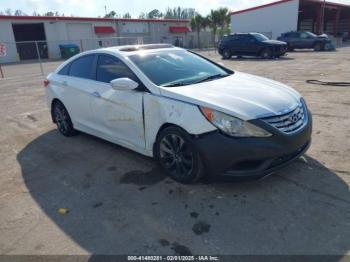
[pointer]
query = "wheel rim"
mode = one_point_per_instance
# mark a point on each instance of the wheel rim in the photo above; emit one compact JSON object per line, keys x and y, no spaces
{"x":265,"y":54}
{"x":61,"y":118}
{"x":226,"y":54}
{"x":175,"y":155}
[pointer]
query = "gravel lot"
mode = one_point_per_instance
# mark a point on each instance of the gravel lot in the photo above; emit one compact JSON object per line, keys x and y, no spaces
{"x":119,"y":202}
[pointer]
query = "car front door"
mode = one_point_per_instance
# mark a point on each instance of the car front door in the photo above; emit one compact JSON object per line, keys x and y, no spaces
{"x":308,"y":40}
{"x":118,"y":114}
{"x":78,"y":84}
{"x":252,"y":45}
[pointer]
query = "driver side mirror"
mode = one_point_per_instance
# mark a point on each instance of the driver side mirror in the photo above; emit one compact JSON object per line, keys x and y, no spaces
{"x":124,"y":83}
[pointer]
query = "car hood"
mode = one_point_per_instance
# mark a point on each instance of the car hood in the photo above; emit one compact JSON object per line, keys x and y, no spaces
{"x":241,"y":95}
{"x":274,"y":42}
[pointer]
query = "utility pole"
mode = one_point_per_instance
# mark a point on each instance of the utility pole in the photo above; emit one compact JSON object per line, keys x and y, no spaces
{"x":323,"y":14}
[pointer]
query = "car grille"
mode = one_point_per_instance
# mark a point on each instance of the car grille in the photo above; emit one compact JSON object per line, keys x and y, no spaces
{"x":289,"y":122}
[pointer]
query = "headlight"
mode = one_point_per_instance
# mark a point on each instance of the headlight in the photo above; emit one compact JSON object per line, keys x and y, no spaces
{"x":231,"y":125}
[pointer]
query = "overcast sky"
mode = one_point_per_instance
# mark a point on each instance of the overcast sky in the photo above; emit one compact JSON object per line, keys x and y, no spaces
{"x":94,"y":8}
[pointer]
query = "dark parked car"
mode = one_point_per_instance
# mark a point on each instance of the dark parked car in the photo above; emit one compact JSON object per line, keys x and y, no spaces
{"x":305,"y":40}
{"x":250,"y":44}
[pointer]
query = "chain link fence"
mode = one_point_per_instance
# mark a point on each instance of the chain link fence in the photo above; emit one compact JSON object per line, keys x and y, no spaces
{"x":42,"y":57}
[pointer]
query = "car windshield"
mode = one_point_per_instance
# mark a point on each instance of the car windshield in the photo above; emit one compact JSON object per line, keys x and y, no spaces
{"x":260,"y":37}
{"x":176,"y":68}
{"x":311,"y":34}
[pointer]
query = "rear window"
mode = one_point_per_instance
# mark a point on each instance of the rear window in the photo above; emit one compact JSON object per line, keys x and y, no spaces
{"x":83,"y":67}
{"x":64,"y":70}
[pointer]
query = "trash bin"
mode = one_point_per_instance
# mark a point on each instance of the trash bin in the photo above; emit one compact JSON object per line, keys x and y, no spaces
{"x":69,"y":50}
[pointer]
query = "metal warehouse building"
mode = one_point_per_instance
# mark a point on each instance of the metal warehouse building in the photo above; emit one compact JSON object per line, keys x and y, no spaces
{"x":291,"y":15}
{"x":19,"y":32}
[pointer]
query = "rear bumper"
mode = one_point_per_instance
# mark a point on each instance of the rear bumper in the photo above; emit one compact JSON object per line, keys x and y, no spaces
{"x":252,"y":156}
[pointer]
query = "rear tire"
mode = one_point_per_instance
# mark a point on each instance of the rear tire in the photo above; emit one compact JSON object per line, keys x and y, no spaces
{"x":62,"y":119}
{"x":266,"y":53}
{"x":226,"y":54}
{"x":178,"y":156}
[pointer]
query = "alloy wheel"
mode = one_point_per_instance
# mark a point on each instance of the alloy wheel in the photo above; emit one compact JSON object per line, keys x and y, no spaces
{"x":61,"y":118}
{"x":176,"y":155}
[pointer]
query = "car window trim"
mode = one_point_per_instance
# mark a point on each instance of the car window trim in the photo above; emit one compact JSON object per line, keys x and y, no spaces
{"x":141,"y":86}
{"x":91,"y":69}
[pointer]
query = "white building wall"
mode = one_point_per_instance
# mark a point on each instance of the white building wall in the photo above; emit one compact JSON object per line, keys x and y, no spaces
{"x":7,"y":37}
{"x":71,"y":32}
{"x":275,"y":19}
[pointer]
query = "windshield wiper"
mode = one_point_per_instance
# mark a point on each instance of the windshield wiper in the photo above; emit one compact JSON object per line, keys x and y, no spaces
{"x":176,"y":84}
{"x":208,"y":78}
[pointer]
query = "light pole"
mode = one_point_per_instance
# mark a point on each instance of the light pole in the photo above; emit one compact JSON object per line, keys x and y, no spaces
{"x":322,"y":16}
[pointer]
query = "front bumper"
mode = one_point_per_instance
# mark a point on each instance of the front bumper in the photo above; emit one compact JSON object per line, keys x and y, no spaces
{"x":280,"y":50}
{"x":252,"y":156}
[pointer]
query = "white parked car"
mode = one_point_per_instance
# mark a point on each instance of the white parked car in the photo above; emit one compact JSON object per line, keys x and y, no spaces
{"x":193,"y":115}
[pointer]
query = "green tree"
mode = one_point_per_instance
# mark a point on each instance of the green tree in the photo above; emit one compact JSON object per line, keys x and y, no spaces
{"x":127,"y":15}
{"x":219,"y":20}
{"x":111,"y":14}
{"x":155,"y":13}
{"x":180,"y":13}
{"x":142,"y":15}
{"x":198,"y":23}
{"x":19,"y":12}
{"x":8,"y":11}
{"x":50,"y":13}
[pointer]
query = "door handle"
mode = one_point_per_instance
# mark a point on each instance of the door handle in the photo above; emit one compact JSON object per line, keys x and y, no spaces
{"x":96,"y":94}
{"x":64,"y":83}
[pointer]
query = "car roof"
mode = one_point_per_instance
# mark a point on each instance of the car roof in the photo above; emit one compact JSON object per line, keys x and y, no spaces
{"x":127,"y":50}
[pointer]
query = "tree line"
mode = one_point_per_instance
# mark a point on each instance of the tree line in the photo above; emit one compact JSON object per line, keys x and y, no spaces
{"x":217,"y":20}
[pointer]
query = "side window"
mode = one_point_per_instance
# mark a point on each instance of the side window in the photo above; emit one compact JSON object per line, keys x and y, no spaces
{"x":83,"y":67}
{"x":109,"y":68}
{"x":303,"y":35}
{"x":64,"y":70}
{"x":250,"y":39}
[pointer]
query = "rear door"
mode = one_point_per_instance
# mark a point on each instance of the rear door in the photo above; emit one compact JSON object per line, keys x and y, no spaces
{"x":293,"y":39}
{"x":117,"y":114}
{"x":78,"y":86}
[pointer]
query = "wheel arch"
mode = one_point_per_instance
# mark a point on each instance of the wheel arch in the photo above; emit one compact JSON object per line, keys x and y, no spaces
{"x":162,"y":127}
{"x":55,"y":100}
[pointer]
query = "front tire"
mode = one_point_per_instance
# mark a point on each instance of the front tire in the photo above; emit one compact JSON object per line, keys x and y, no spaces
{"x":266,"y":53}
{"x":226,"y":54}
{"x":318,"y":47}
{"x":62,"y":119}
{"x":178,"y":155}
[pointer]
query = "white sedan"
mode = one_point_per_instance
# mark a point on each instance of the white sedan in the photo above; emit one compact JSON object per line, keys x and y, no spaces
{"x":193,"y":115}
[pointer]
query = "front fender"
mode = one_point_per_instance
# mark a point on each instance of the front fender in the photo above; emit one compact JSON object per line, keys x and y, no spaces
{"x":160,"y":110}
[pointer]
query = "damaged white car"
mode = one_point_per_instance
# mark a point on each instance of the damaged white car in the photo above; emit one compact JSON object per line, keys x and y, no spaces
{"x":193,"y":115}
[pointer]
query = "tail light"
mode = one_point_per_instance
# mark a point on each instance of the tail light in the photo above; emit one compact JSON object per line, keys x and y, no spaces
{"x":46,"y":82}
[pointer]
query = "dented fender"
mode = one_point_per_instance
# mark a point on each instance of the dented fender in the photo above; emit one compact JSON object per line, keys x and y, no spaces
{"x":160,"y":110}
